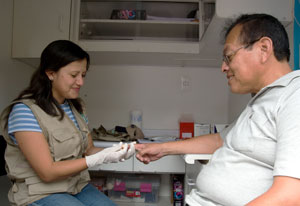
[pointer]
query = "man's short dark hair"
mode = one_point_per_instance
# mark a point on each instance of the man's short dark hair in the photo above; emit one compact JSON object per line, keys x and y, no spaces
{"x":256,"y":26}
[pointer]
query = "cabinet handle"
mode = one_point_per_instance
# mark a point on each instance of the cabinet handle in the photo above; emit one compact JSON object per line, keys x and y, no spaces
{"x":191,"y":182}
{"x":61,"y":23}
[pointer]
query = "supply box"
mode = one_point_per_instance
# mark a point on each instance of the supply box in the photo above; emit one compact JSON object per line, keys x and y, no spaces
{"x":133,"y":188}
{"x":186,"y":130}
{"x":201,"y":129}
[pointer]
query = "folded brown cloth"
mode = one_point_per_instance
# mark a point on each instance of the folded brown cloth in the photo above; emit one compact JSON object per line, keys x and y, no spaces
{"x":130,"y":133}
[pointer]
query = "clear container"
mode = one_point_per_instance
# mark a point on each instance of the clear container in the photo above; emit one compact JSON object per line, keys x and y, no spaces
{"x":142,"y":188}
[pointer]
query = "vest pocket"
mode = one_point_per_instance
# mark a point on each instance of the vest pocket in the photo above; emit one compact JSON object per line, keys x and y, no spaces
{"x":36,"y":186}
{"x":65,"y":144}
{"x":70,"y":185}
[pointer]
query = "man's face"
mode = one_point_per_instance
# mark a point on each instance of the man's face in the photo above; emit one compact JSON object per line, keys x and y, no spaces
{"x":241,"y":65}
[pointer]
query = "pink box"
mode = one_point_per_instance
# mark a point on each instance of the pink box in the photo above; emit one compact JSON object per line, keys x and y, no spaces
{"x":146,"y":187}
{"x":119,"y":186}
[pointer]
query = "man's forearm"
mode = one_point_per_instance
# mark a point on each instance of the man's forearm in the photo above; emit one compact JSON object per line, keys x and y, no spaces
{"x":206,"y":144}
{"x":285,"y":191}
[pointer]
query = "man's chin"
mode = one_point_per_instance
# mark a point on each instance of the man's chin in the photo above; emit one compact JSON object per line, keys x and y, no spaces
{"x":237,"y":90}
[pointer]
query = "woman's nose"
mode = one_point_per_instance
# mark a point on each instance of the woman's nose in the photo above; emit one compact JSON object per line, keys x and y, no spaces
{"x":80,"y":80}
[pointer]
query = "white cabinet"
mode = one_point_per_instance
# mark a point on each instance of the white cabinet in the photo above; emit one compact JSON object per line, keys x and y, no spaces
{"x":36,"y":23}
{"x":169,"y":26}
{"x":167,"y":164}
{"x":173,"y":33}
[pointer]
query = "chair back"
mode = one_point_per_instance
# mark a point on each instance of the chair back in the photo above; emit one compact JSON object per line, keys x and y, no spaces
{"x":2,"y":151}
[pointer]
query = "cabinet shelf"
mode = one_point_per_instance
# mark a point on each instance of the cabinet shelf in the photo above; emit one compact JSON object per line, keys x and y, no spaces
{"x":167,"y":26}
{"x":109,"y":21}
{"x":139,"y":39}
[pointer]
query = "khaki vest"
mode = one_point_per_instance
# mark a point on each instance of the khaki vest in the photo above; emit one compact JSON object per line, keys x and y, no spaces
{"x":65,"y":141}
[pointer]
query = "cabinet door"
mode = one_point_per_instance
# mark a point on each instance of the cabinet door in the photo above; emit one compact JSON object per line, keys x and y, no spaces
{"x":167,"y":164}
{"x":36,"y":23}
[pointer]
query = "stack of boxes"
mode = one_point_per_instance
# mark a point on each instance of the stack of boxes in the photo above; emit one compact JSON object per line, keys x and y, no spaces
{"x":190,"y":129}
{"x":142,"y":188}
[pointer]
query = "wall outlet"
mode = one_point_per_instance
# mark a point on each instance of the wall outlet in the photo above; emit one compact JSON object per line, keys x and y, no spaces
{"x":185,"y":83}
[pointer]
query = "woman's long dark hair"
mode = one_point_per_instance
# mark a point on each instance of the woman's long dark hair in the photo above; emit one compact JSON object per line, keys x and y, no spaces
{"x":55,"y":56}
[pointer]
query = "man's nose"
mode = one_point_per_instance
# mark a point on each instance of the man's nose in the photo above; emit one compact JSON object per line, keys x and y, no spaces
{"x":224,"y":67}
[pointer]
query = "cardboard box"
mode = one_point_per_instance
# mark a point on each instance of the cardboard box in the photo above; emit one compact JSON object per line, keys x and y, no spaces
{"x":186,"y":130}
{"x":201,"y":129}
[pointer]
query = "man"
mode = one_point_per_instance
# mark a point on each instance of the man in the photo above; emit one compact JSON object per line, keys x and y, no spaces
{"x":256,"y":159}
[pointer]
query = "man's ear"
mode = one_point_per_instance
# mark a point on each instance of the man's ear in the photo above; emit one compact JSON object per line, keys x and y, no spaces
{"x":266,"y":48}
{"x":50,"y":74}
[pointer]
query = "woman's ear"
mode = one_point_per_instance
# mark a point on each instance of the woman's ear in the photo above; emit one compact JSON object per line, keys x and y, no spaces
{"x":50,"y":74}
{"x":266,"y":48}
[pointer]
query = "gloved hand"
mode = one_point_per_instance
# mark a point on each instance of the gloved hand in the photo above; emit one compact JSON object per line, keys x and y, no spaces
{"x":107,"y":155}
{"x":130,"y":151}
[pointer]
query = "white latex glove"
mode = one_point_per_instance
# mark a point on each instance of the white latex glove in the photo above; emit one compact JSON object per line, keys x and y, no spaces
{"x":107,"y":155}
{"x":130,"y":151}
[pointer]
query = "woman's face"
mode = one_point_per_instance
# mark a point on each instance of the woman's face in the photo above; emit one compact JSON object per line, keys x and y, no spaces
{"x":66,"y":82}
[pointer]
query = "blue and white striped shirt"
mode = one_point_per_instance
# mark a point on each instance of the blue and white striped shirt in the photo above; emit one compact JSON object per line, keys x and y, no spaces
{"x":21,"y":118}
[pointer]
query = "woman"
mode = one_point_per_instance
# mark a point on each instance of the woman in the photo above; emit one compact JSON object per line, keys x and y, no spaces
{"x":49,"y":146}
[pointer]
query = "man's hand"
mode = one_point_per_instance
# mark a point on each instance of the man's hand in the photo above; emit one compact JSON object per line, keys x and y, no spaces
{"x":149,"y":152}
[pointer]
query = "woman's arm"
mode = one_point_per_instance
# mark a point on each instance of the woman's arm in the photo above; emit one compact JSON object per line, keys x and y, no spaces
{"x":36,"y":150}
{"x":91,"y":149}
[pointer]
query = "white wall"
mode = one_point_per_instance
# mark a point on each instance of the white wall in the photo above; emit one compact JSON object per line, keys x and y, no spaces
{"x":111,"y":92}
{"x":237,"y":103}
{"x":14,"y":75}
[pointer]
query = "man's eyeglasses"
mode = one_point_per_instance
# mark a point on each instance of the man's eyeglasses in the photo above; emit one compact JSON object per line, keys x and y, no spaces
{"x":228,"y":58}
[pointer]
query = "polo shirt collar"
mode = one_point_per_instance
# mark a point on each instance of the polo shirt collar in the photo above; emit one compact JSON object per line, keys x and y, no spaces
{"x":281,"y":82}
{"x":286,"y":79}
